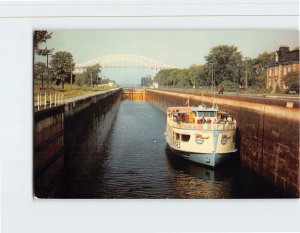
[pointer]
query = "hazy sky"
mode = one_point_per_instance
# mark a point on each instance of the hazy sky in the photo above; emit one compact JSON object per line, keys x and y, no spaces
{"x":177,"y":48}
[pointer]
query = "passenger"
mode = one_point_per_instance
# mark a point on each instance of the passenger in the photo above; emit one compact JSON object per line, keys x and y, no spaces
{"x":203,"y":121}
{"x":221,"y":90}
{"x":199,"y":121}
{"x":208,"y":120}
{"x":229,"y":119}
{"x":179,"y":117}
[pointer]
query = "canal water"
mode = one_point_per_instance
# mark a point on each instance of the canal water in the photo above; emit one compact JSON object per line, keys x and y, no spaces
{"x":135,"y":162}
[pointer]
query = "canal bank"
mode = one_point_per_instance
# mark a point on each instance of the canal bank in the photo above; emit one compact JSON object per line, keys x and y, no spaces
{"x":268,"y":132}
{"x":58,"y":129}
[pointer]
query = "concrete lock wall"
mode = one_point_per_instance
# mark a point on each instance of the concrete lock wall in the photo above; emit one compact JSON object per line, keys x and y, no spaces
{"x":268,"y":133}
{"x":52,"y":128}
{"x":87,"y":132}
{"x":48,"y":159}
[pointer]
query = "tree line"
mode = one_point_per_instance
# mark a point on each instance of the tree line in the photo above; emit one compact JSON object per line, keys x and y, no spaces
{"x":225,"y":66}
{"x":60,"y":68}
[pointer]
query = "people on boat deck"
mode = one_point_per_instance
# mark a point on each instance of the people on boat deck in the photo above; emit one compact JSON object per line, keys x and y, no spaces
{"x":203,"y":121}
{"x":229,"y":118}
{"x":185,"y":118}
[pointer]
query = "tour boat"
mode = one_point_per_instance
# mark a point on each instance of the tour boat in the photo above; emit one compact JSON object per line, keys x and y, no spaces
{"x":201,"y":134}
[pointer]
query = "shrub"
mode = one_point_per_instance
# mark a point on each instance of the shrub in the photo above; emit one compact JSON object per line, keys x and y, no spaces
{"x":292,"y":81}
{"x":277,"y":90}
{"x":229,"y":86}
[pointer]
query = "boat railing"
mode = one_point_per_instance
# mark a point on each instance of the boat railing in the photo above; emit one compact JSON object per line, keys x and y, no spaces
{"x":211,"y":126}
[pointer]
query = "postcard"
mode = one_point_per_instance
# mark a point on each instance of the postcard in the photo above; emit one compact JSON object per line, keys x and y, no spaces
{"x":166,"y":114}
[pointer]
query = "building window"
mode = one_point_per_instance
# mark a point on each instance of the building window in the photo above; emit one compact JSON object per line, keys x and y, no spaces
{"x":284,"y":70}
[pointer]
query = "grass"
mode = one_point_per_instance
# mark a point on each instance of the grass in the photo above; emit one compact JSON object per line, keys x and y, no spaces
{"x":68,"y":91}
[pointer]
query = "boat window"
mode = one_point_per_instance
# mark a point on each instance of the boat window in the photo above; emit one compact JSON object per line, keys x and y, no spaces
{"x":177,"y":136}
{"x":212,"y":114}
{"x":185,"y":137}
{"x":206,"y":114}
{"x":200,"y":114}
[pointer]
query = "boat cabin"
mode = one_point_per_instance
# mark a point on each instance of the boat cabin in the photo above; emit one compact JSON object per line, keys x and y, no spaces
{"x":198,"y":115}
{"x":204,"y":114}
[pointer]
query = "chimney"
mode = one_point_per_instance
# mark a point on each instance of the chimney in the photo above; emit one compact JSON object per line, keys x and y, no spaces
{"x":283,"y":50}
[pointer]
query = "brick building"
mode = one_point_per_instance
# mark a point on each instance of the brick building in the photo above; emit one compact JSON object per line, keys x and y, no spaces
{"x":286,"y":61}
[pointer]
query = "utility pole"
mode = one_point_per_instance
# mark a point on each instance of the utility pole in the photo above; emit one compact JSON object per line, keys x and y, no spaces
{"x":194,"y":82}
{"x":47,"y":71}
{"x":212,"y":76}
{"x":91,"y":78}
{"x":48,"y":52}
{"x":246,"y":78}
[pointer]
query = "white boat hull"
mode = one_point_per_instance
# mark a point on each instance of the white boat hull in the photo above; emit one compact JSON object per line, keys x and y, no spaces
{"x":208,"y":159}
{"x":211,"y":151}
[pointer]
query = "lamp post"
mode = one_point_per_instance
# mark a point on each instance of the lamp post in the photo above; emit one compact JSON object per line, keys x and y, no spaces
{"x":91,"y":78}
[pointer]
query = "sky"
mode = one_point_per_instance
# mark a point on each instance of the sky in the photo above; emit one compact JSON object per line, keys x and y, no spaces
{"x":177,"y":48}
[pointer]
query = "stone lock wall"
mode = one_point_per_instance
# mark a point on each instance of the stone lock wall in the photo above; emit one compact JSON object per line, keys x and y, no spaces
{"x":52,"y":134}
{"x":268,"y":133}
{"x":48,"y":159}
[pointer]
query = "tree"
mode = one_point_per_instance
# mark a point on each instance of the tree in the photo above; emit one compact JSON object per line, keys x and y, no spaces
{"x":62,"y":66}
{"x":162,"y":77}
{"x":259,"y":68}
{"x":81,"y":79}
{"x":225,"y":60}
{"x":199,"y":75}
{"x":39,"y":37}
{"x":40,"y":72}
{"x":90,"y":76}
{"x":183,"y":78}
{"x":93,"y":73}
{"x":229,"y":86}
{"x":292,"y":81}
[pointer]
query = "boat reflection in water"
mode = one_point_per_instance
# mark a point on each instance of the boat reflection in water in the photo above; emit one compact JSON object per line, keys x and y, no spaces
{"x":198,"y":181}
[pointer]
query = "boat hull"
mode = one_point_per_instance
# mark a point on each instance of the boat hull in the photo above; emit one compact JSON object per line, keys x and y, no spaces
{"x":207,"y":159}
{"x":197,"y":139}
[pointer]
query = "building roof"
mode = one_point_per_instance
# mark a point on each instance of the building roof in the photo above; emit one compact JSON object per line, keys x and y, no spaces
{"x":292,"y":56}
{"x":288,"y":57}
